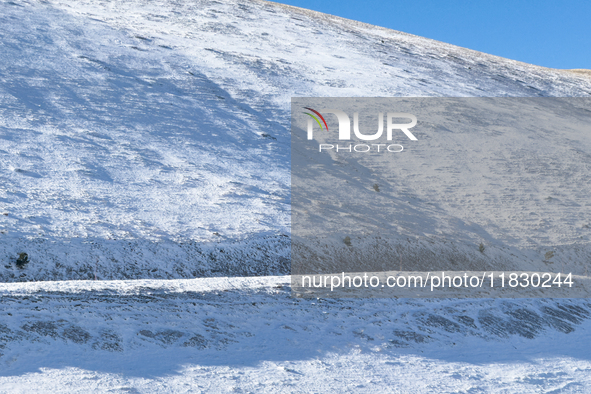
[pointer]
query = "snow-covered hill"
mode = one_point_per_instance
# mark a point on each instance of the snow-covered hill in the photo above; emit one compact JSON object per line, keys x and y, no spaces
{"x":150,"y":139}
{"x":131,"y":125}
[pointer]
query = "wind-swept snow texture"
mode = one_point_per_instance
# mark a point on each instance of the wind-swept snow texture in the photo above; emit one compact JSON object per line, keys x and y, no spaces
{"x":127,"y":127}
{"x":249,"y":335}
{"x":150,"y":139}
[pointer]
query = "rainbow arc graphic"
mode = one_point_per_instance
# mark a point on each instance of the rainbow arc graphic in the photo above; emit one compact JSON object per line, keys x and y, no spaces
{"x":315,"y":118}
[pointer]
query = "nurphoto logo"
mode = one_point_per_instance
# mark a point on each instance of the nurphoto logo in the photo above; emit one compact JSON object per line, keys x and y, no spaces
{"x":344,"y":131}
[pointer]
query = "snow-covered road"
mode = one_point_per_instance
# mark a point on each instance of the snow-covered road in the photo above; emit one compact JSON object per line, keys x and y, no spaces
{"x":249,"y":335}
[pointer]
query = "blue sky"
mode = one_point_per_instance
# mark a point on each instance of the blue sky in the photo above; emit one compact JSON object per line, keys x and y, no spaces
{"x":547,"y":33}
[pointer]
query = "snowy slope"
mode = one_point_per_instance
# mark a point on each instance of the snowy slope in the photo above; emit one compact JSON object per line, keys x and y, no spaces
{"x":151,"y":140}
{"x":160,"y":122}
